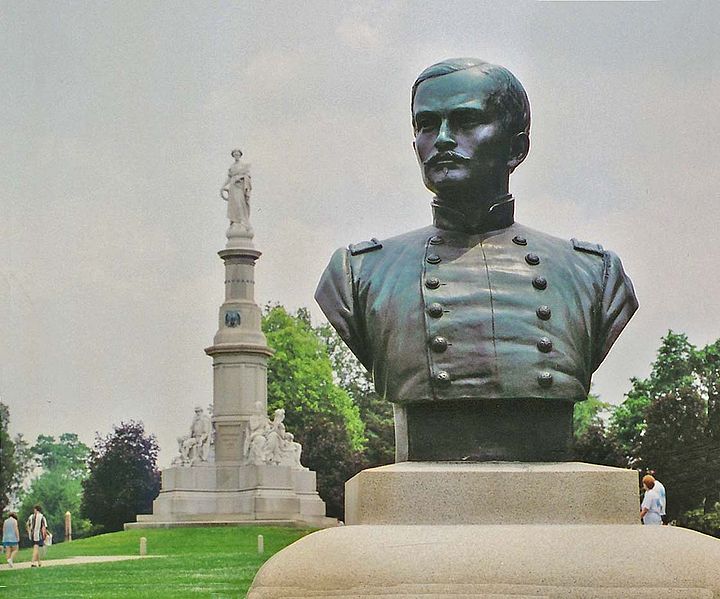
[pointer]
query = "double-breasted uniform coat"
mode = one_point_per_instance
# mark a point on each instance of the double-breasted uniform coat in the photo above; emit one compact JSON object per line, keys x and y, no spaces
{"x":488,"y":309}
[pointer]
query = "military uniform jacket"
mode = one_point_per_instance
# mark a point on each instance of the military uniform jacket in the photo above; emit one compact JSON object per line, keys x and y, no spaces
{"x":461,"y":311}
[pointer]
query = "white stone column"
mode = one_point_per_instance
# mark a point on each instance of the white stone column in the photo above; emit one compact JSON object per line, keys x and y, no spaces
{"x":239,"y":354}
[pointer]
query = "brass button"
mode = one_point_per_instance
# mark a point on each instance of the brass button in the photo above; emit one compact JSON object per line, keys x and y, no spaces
{"x":442,"y":378}
{"x":532,"y":259}
{"x":436,"y":240}
{"x":539,"y":283}
{"x":544,"y":345}
{"x":545,"y":380}
{"x":433,"y":259}
{"x":519,"y":240}
{"x":435,"y":310}
{"x":543,"y":312}
{"x":432,"y":283}
{"x":438,"y":344}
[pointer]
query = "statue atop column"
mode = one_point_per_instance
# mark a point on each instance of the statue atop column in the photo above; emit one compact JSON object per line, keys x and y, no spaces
{"x":236,"y":192}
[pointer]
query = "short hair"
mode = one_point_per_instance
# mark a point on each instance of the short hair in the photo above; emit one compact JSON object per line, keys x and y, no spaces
{"x":509,"y":95}
{"x":648,"y":481}
{"x":37,"y":507}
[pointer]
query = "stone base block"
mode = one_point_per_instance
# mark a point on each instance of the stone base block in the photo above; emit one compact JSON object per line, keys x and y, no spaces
{"x":239,"y":494}
{"x":492,"y":493}
{"x":495,"y":562}
{"x":494,"y":530}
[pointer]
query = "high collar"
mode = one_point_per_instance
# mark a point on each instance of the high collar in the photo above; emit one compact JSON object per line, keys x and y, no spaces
{"x":499,"y":216}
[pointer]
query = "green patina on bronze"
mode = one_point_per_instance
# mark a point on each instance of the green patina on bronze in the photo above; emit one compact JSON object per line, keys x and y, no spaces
{"x":481,"y":331}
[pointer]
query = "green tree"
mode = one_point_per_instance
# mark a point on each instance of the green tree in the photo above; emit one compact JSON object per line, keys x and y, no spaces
{"x":375,"y":412}
{"x":595,"y":445}
{"x":58,"y":488}
{"x":320,"y":414}
{"x":15,"y":461}
{"x":68,"y":454}
{"x":670,"y":423}
{"x":8,"y":465}
{"x":24,"y":464}
{"x":56,"y":492}
{"x":627,"y":423}
{"x":709,"y":361}
{"x":592,"y":441}
{"x":123,"y":477}
{"x":587,"y":413}
{"x":300,"y":376}
{"x":674,"y":447}
{"x":674,"y":368}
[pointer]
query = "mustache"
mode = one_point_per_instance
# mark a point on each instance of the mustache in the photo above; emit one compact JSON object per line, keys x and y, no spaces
{"x":446,"y":156}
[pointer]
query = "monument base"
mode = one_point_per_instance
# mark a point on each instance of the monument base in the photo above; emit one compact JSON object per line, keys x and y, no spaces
{"x":219,"y":494}
{"x":494,"y":530}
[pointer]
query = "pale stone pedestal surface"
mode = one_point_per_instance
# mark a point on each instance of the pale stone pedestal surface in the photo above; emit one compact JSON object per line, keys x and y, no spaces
{"x":253,"y":494}
{"x":494,"y":530}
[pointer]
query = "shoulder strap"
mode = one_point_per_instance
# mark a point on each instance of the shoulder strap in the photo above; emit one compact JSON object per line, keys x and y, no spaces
{"x":590,"y":248}
{"x":364,"y":246}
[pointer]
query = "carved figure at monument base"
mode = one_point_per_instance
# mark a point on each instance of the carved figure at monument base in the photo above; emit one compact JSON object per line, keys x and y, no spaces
{"x":268,"y":442}
{"x":195,"y":448}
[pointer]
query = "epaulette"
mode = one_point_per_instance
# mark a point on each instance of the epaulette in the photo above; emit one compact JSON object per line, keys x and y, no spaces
{"x":590,"y":248}
{"x":364,"y":246}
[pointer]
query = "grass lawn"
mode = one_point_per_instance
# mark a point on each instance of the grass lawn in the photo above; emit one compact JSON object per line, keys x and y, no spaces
{"x":209,"y":562}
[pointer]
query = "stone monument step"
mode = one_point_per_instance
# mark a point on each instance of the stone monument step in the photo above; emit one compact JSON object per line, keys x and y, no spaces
{"x":494,"y":561}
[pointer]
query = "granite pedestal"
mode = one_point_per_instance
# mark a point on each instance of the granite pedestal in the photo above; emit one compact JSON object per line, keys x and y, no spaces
{"x":253,"y":494}
{"x":494,"y":530}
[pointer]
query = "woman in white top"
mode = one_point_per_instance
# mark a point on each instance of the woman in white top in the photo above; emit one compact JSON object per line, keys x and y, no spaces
{"x":651,"y":508}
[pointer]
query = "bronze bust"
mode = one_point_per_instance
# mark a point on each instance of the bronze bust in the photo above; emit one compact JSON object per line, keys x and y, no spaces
{"x":481,"y":331}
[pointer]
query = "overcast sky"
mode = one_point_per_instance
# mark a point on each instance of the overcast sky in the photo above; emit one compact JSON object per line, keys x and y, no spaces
{"x":118,"y":121}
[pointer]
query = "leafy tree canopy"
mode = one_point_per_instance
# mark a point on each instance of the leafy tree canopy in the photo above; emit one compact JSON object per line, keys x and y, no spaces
{"x":68,"y":454}
{"x":670,"y":423}
{"x":56,"y":493}
{"x":674,"y":447}
{"x":588,"y":412}
{"x":319,"y":412}
{"x":675,"y":367}
{"x":375,"y":412}
{"x":58,"y":488}
{"x":8,"y":465}
{"x":123,"y":477}
{"x":300,"y":375}
{"x":16,"y":461}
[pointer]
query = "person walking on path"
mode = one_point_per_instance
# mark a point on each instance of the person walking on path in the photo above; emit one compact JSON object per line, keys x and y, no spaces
{"x":11,"y":537}
{"x":37,"y":531}
{"x":651,"y":508}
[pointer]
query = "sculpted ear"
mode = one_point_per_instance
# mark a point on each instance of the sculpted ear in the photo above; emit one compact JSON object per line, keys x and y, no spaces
{"x":519,"y":148}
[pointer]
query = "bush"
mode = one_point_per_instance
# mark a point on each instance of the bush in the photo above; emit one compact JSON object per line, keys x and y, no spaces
{"x":698,"y":520}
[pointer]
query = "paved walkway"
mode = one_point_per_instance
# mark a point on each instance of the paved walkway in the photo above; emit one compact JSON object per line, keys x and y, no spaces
{"x":80,"y":559}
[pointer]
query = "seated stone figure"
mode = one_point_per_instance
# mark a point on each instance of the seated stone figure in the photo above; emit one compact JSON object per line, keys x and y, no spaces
{"x":269,"y":443}
{"x":195,"y":448}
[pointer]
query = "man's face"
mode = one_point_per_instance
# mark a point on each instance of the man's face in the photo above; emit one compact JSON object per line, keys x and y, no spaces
{"x":460,"y":140}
